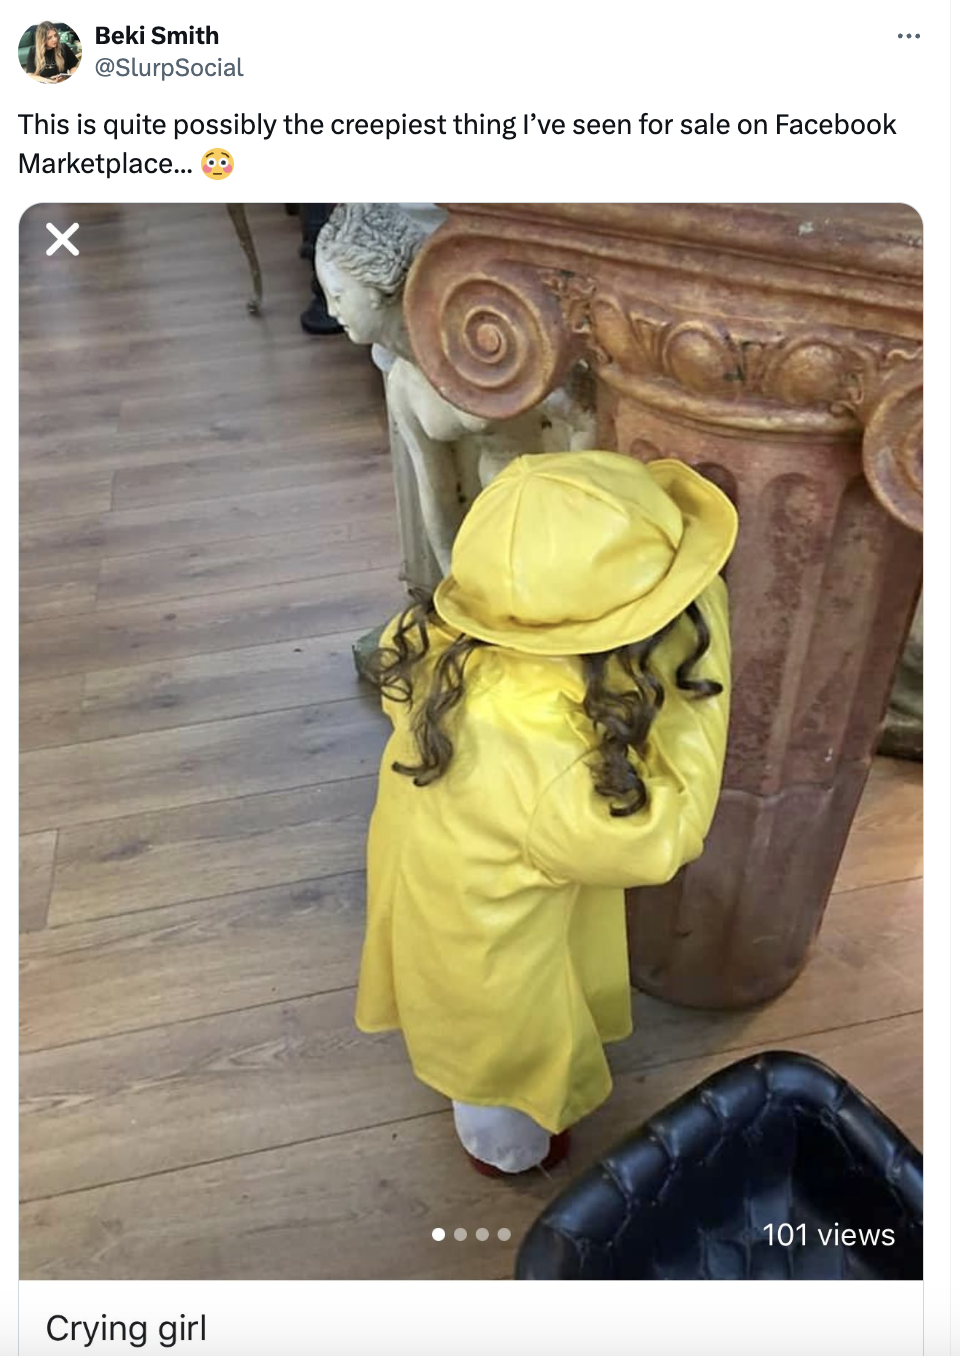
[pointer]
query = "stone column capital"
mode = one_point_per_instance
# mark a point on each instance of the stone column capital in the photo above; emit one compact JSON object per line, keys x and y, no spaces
{"x":802,"y":324}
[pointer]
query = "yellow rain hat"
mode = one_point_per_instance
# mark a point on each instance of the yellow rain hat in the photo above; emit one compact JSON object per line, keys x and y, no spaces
{"x":578,"y":552}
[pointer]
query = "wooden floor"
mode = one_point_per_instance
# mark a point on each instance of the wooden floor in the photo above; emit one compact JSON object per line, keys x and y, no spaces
{"x":207,"y":525}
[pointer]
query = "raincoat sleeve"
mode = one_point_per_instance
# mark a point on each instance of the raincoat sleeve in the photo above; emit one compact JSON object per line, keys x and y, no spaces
{"x":573,"y":836}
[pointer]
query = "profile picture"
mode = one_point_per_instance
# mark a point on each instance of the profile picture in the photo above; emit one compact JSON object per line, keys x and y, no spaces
{"x":50,"y":52}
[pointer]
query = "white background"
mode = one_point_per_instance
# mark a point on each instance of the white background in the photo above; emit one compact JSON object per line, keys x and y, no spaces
{"x":563,"y":60}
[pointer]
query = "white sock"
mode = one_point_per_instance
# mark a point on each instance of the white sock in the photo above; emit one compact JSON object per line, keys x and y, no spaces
{"x":508,"y":1139}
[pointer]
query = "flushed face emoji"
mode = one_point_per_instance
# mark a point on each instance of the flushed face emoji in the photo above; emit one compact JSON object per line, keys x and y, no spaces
{"x":217,"y":164}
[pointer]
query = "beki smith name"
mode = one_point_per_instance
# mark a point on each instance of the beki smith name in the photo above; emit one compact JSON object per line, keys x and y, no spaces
{"x":160,"y":36}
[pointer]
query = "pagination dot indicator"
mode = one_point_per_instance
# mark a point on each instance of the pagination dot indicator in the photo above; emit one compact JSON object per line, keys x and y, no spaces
{"x":438,"y":1235}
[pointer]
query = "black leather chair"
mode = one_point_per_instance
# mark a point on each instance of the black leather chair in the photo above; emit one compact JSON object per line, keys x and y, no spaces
{"x":775,"y":1140}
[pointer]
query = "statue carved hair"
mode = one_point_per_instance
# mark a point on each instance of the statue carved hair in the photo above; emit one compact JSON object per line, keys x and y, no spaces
{"x":376,"y":242}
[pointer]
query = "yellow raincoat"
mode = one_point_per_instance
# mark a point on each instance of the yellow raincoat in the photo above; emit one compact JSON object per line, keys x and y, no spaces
{"x":496,"y":934}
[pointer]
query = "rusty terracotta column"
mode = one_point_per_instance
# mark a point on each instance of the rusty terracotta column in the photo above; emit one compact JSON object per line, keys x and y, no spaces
{"x":778,"y":350}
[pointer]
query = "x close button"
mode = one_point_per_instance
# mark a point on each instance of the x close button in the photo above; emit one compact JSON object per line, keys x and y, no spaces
{"x":63,"y":238}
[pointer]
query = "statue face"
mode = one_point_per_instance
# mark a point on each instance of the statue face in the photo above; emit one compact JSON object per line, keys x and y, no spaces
{"x":359,"y":307}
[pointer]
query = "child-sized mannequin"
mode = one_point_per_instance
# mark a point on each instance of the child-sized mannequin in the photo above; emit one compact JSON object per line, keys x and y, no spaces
{"x":560,"y":715}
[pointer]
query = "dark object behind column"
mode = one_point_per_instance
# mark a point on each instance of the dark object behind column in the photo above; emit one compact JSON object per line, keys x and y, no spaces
{"x":903,"y":727}
{"x":777,"y":1139}
{"x":316,"y":319}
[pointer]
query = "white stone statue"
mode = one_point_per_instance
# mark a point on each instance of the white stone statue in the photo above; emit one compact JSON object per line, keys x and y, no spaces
{"x":442,"y":455}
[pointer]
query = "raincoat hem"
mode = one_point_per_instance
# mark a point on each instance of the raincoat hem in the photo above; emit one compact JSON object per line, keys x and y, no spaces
{"x":567,"y":1117}
{"x":553,"y":1124}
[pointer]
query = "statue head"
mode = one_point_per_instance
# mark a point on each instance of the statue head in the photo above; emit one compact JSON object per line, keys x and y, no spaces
{"x":363,"y":255}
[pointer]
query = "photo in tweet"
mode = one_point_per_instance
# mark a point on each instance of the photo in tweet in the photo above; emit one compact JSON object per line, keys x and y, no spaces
{"x":471,"y":723}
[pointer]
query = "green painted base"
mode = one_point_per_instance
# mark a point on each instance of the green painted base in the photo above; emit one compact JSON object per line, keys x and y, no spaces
{"x":363,"y":648}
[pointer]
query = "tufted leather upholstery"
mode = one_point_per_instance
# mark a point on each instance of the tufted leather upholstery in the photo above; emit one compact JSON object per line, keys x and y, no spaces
{"x":774,"y":1139}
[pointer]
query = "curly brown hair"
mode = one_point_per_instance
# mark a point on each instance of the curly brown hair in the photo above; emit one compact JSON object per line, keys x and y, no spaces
{"x":621,"y":717}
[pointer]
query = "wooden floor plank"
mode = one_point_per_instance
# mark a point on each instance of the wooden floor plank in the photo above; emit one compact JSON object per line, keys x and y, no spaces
{"x":208,"y":1089}
{"x":189,"y":368}
{"x":886,"y":840}
{"x":53,"y":591}
{"x":69,"y":451}
{"x":160,"y":527}
{"x":182,"y":961}
{"x":92,"y":412}
{"x":215,"y":686}
{"x":362,"y":1205}
{"x":66,"y":496}
{"x":36,"y":873}
{"x":50,"y":711}
{"x":250,"y":562}
{"x":146,"y":439}
{"x":210,"y":622}
{"x":202,"y":851}
{"x":195,"y":764}
{"x":338,"y":449}
{"x":272,"y":410}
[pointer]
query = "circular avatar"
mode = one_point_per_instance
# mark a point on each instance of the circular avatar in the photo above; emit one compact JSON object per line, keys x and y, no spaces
{"x":50,"y":53}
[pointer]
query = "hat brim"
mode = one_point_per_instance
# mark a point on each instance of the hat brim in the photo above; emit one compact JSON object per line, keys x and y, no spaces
{"x":709,"y":534}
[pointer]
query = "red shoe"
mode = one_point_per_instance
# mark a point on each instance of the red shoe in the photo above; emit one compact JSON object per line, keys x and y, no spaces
{"x":558,"y":1151}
